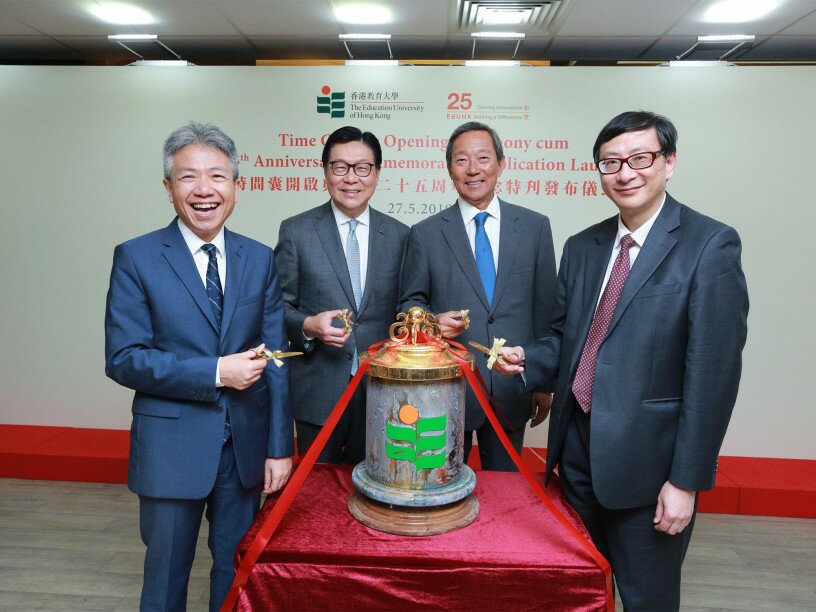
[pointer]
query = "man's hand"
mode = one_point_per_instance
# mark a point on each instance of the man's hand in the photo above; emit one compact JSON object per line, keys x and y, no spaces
{"x":512,"y":362}
{"x":451,"y":323}
{"x":542,"y":402}
{"x":320,"y":326}
{"x":241,"y":370}
{"x":276,"y":473}
{"x":675,"y":507}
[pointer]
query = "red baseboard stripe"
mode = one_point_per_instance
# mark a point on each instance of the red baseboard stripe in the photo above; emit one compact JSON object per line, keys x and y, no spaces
{"x":745,"y":485}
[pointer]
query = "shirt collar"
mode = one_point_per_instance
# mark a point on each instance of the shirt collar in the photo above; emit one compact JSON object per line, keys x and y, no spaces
{"x":639,"y":235}
{"x":342,"y":218}
{"x":469,"y":211}
{"x":194,"y":243}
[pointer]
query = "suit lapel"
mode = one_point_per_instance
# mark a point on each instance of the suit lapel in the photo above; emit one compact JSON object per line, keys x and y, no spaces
{"x":595,"y":263}
{"x":509,"y":238}
{"x":453,"y":230}
{"x":329,"y":235}
{"x":236,"y":264}
{"x":376,"y":241}
{"x":657,"y":246}
{"x":181,"y":260}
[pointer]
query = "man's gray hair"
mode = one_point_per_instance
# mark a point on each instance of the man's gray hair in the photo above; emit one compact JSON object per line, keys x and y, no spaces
{"x":204,"y":134}
{"x":474,"y":126}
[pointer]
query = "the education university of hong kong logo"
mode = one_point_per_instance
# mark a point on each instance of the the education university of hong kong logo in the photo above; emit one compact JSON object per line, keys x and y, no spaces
{"x":332,"y":103}
{"x":408,"y":441}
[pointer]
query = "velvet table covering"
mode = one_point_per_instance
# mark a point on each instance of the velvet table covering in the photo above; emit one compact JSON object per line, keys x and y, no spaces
{"x":515,"y":556}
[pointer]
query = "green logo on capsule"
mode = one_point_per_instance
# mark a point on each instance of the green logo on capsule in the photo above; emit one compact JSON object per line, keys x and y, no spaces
{"x":414,"y":439}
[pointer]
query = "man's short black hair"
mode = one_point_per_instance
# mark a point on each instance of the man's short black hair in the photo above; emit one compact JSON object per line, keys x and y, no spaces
{"x":636,"y":121}
{"x":350,"y":133}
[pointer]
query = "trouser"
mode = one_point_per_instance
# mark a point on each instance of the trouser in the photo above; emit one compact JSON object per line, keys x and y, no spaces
{"x":491,"y":450}
{"x":646,"y":563}
{"x":169,"y":529}
{"x":346,"y":445}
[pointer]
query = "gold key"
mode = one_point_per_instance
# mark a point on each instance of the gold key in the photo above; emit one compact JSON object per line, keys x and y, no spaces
{"x":492,"y":353}
{"x":276,"y":357}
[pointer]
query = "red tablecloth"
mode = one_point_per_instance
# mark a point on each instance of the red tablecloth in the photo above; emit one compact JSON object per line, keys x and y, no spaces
{"x":515,"y":556}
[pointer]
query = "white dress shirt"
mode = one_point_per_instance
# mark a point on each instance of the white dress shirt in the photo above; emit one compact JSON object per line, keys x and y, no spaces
{"x":202,"y":261}
{"x":492,"y":225}
{"x":200,"y":256}
{"x":639,"y":236}
{"x":363,"y":227}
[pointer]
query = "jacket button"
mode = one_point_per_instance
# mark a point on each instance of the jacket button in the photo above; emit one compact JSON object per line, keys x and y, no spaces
{"x":348,"y":355}
{"x":219,"y":409}
{"x":490,"y":321}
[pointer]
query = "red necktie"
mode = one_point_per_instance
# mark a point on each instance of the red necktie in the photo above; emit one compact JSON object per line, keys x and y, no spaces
{"x":585,"y":375}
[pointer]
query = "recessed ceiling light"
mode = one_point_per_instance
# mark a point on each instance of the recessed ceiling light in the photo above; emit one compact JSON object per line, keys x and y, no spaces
{"x":504,"y":17}
{"x":132,"y":37}
{"x":500,"y":35}
{"x":120,"y":13}
{"x":739,"y":11}
{"x":726,"y":38}
{"x":362,"y":14}
{"x":364,"y":36}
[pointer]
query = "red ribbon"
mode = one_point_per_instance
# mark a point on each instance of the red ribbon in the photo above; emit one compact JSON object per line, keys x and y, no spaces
{"x":479,"y":387}
{"x":286,"y":498}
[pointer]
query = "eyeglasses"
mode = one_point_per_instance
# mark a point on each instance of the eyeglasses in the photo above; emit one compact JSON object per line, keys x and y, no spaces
{"x":638,"y":161}
{"x":341,"y":168}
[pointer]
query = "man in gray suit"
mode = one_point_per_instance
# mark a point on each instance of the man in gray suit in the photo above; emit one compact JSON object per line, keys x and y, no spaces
{"x":494,"y":260}
{"x":646,"y":343}
{"x":340,"y":255}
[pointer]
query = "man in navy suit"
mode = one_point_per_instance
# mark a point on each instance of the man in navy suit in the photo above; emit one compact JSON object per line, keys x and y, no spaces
{"x":646,"y":343}
{"x":189,"y":308}
{"x":508,"y":293}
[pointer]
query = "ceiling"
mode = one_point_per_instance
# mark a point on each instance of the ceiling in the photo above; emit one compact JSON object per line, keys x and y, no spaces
{"x":241,"y":32}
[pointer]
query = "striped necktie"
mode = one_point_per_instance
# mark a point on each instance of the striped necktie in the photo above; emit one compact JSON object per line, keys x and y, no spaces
{"x":214,"y":291}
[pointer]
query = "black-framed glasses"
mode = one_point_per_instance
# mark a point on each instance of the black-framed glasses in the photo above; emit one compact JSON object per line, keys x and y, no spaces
{"x":341,"y":168}
{"x":638,"y":161}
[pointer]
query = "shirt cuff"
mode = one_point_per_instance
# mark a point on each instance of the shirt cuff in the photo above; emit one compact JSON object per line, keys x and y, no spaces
{"x":218,"y":382}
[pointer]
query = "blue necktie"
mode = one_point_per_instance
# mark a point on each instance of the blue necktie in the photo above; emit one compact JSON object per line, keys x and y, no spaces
{"x":216,"y":296}
{"x":484,"y":257}
{"x":353,"y":263}
{"x":214,"y":291}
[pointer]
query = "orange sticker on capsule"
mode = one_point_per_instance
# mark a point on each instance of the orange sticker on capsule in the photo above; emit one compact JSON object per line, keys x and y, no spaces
{"x":408,"y":414}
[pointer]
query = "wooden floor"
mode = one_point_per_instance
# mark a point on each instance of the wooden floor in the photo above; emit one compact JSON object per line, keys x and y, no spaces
{"x":76,"y":546}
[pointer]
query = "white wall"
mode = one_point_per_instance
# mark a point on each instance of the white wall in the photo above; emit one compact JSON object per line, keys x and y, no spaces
{"x":81,"y":171}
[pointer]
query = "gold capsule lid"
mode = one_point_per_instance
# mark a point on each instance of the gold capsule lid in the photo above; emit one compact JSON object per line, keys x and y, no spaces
{"x":416,"y":351}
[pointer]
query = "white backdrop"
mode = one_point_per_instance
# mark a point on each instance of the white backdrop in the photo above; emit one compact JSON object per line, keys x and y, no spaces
{"x":81,"y":170}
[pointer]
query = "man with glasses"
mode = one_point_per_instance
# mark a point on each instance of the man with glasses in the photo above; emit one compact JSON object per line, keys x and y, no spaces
{"x":340,"y":256}
{"x":646,"y":345}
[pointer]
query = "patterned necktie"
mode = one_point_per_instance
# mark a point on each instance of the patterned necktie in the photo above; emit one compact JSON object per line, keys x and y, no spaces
{"x":484,"y":257}
{"x":216,"y":296}
{"x":585,"y":375}
{"x":353,"y":263}
{"x":214,"y":291}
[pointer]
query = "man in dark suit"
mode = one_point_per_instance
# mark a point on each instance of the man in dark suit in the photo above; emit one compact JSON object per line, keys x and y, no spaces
{"x":211,"y":424}
{"x":646,"y":344}
{"x":495,"y":261}
{"x":342,"y":255}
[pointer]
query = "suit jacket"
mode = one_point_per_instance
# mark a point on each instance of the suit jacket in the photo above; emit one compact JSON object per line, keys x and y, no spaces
{"x":161,"y":341}
{"x":315,"y":278}
{"x":667,"y":371}
{"x":440,"y":274}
